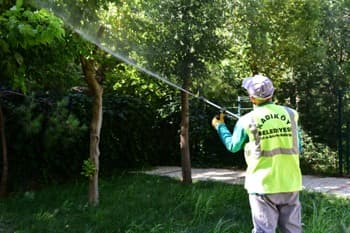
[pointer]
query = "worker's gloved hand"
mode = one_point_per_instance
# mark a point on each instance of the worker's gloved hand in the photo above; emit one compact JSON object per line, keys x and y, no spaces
{"x":218,"y":119}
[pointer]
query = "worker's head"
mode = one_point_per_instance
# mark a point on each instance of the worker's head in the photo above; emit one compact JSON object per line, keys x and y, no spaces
{"x":259,"y":88}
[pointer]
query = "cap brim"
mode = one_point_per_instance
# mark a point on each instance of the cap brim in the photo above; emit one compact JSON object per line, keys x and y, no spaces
{"x":247,"y":82}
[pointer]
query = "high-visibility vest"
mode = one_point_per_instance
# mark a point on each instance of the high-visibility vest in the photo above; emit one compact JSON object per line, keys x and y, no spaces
{"x":272,"y":153}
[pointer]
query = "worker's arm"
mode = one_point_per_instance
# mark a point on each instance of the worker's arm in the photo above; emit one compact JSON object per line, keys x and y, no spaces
{"x":233,"y":142}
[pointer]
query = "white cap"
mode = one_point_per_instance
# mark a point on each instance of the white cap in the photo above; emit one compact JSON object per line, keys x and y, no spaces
{"x":259,"y":87}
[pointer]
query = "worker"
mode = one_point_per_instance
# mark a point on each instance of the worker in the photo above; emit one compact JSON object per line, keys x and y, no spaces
{"x":271,"y":140}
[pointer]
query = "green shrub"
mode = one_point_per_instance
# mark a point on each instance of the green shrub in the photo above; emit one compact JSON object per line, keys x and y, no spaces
{"x":317,"y":158}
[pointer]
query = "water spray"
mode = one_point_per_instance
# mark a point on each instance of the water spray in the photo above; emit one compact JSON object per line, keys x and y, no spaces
{"x":128,"y":61}
{"x":153,"y":74}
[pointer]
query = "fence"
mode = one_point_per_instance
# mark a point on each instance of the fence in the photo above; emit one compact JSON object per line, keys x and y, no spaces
{"x":243,"y":105}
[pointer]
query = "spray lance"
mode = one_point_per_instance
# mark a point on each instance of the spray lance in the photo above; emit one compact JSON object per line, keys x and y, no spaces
{"x":223,"y":110}
{"x":201,"y":98}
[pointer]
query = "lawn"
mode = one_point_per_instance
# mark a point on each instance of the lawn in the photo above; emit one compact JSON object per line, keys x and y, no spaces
{"x":140,"y":203}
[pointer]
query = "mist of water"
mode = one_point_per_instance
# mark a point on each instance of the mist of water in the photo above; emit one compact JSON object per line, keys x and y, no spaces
{"x":118,"y":48}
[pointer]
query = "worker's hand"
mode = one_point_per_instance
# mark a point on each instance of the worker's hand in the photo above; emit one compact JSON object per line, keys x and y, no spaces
{"x":218,"y":119}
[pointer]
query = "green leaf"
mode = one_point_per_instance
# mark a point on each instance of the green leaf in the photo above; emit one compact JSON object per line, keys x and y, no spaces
{"x":88,"y":168}
{"x":19,"y":4}
{"x":4,"y":46}
{"x":19,"y":58}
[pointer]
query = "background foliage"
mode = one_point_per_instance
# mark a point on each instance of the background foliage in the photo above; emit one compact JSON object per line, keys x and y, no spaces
{"x":303,"y":45}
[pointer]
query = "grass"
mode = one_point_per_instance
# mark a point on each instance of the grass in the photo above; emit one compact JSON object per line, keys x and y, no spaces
{"x":139,"y":203}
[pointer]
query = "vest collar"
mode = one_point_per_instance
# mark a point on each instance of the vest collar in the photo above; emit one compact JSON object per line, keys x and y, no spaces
{"x":263,"y":104}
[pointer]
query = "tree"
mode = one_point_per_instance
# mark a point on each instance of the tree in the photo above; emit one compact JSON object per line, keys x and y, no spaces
{"x":85,"y":21}
{"x":303,"y":47}
{"x":20,"y":30}
{"x":186,"y":37}
{"x":321,"y":79}
{"x":88,"y":66}
{"x":96,"y":91}
{"x":4,"y":174}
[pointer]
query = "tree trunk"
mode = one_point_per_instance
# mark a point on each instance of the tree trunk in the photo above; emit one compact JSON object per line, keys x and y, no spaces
{"x":96,"y":90}
{"x":4,"y":175}
{"x":184,"y":136}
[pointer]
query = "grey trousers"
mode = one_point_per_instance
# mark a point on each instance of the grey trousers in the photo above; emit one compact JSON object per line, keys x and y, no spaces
{"x":282,"y":210}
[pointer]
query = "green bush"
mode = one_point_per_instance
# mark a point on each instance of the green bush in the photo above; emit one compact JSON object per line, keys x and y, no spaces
{"x":135,"y":135}
{"x":317,"y":158}
{"x":44,"y":141}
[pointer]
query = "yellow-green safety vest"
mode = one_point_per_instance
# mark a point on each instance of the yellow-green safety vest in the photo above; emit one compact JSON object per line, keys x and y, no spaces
{"x":272,"y":153}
